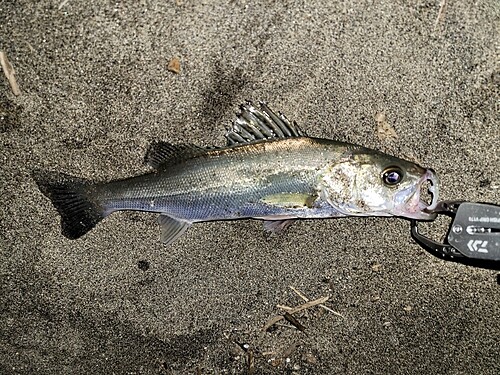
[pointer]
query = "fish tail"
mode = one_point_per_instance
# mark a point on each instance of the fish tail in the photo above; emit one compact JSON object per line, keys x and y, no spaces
{"x":71,"y":196}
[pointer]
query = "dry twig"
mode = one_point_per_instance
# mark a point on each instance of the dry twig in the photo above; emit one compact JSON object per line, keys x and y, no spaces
{"x":9,"y":72}
{"x":301,"y":295}
{"x":441,"y":13}
{"x":250,"y":362}
{"x":304,"y":306}
{"x":294,"y":321}
{"x":63,"y":3}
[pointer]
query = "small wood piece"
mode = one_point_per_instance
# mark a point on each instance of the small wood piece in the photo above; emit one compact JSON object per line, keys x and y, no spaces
{"x":9,"y":72}
{"x":294,"y":321}
{"x":174,"y":65}
{"x":304,"y":306}
{"x":385,"y":131}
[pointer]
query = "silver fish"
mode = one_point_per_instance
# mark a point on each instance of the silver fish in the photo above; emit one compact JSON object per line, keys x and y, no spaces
{"x":269,"y":170}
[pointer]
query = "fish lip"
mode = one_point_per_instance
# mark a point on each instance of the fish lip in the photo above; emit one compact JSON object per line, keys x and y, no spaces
{"x":414,"y":207}
{"x":426,"y":211}
{"x":431,"y":176}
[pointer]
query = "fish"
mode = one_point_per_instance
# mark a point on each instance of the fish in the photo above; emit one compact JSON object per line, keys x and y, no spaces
{"x":269,"y":170}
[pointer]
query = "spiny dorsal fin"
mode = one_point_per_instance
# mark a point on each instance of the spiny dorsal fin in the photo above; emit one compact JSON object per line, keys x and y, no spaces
{"x":166,"y":154}
{"x":254,"y":124}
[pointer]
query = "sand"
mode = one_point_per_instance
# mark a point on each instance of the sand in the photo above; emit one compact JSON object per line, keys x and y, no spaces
{"x":97,"y":87}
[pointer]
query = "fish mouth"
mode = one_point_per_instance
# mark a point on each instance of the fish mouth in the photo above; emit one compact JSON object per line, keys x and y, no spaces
{"x":424,"y":200}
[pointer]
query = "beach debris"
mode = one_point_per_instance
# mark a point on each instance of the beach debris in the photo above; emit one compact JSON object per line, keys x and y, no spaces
{"x":9,"y":72}
{"x":407,"y":308}
{"x":294,"y":310}
{"x":376,"y":267}
{"x":310,"y":358}
{"x":289,"y":311}
{"x":242,"y":345}
{"x":174,"y":65}
{"x":441,"y":13}
{"x":63,"y":3}
{"x":250,"y":362}
{"x":385,"y":132}
{"x":284,"y":358}
{"x":143,"y":265}
{"x":294,"y":321}
{"x":250,"y":356}
{"x":30,"y":46}
{"x":484,"y":182}
{"x":301,"y":295}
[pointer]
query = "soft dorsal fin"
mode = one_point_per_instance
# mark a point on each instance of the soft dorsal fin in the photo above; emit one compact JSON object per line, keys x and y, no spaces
{"x":254,"y":124}
{"x":166,"y":154}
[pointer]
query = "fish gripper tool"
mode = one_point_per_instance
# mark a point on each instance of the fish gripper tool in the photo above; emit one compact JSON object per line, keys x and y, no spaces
{"x":473,"y":237}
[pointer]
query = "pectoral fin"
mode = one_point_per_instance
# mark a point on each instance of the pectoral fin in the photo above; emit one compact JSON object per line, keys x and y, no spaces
{"x":290,"y":200}
{"x":171,"y":229}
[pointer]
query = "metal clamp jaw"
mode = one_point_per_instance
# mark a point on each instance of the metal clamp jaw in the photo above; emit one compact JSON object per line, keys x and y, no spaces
{"x":473,"y":237}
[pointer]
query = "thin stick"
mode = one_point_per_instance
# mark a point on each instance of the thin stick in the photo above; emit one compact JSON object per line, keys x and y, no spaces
{"x":250,"y":362}
{"x":9,"y":72}
{"x":294,"y":321}
{"x":63,"y":3}
{"x":304,"y":306}
{"x":301,"y":295}
{"x":332,"y":311}
{"x":309,"y":304}
{"x":440,"y":16}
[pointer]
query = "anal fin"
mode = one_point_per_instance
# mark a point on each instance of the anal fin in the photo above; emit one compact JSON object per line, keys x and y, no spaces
{"x":171,"y":229}
{"x":277,"y":226}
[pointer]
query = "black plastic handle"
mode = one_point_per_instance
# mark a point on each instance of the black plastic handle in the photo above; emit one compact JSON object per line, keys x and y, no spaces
{"x":473,"y":237}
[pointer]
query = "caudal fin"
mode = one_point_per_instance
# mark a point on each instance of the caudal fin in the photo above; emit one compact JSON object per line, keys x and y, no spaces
{"x":72,"y":199}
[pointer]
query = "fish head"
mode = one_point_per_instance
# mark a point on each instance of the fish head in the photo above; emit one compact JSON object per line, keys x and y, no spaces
{"x":369,"y":183}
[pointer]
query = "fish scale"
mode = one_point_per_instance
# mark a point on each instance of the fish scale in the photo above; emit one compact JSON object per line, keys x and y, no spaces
{"x":225,"y":185}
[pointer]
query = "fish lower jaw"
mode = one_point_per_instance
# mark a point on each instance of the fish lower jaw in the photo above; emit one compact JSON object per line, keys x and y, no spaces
{"x":432,"y":188}
{"x":356,"y":211}
{"x":415,"y":209}
{"x":435,"y":198}
{"x":418,"y":215}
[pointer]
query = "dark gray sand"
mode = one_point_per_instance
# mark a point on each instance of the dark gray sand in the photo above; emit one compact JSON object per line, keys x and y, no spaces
{"x":95,"y":91}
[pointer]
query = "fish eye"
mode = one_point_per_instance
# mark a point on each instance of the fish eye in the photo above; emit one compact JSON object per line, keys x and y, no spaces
{"x":392,"y":176}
